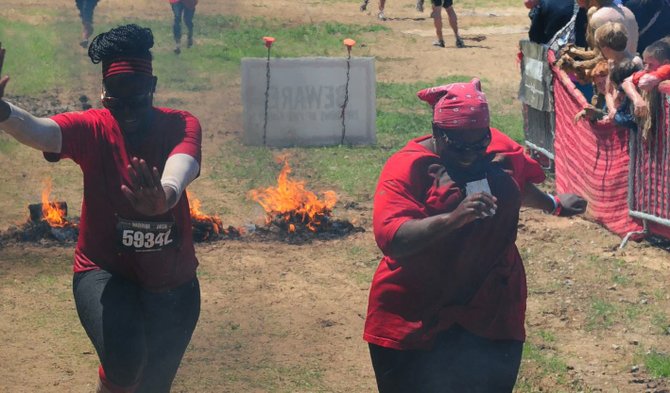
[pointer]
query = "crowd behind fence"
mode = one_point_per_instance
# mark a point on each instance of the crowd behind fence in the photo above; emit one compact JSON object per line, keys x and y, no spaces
{"x":648,"y":159}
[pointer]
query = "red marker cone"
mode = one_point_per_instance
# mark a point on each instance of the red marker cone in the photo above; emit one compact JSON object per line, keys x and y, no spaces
{"x":349,"y":43}
{"x":268,"y":41}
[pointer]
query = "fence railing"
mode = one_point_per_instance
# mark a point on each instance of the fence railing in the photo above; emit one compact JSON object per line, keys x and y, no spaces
{"x":592,"y":158}
{"x":649,"y":176}
{"x":537,"y":99}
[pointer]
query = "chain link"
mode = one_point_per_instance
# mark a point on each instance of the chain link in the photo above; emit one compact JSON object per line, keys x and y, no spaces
{"x":346,"y":99}
{"x":267,"y":93}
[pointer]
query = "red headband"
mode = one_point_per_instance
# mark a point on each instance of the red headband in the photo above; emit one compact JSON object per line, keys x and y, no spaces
{"x":458,"y":105}
{"x":126,"y":65}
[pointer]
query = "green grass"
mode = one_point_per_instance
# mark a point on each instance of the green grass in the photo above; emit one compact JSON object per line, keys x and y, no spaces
{"x":657,"y":363}
{"x":546,"y":363}
{"x":222,"y":41}
{"x":42,"y":60}
{"x":660,"y":320}
{"x":36,"y":58}
{"x":7,"y":145}
{"x":601,"y":315}
{"x":546,"y":335}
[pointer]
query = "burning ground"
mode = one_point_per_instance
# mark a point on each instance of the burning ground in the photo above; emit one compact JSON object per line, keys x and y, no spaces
{"x":279,"y":317}
{"x":293,"y":214}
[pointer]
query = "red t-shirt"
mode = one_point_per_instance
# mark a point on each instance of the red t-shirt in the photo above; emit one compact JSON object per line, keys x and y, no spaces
{"x":662,"y":73}
{"x":474,"y":278}
{"x":94,"y":141}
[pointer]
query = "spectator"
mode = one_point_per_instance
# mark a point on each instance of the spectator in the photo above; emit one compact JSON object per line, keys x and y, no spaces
{"x":86,"y":8}
{"x":609,"y":11}
{"x":652,"y":19}
{"x":656,"y":59}
{"x":612,"y":41}
{"x":382,"y":3}
{"x":547,"y":18}
{"x":453,"y":22}
{"x":619,"y":110}
{"x":183,"y":9}
{"x":647,"y":104}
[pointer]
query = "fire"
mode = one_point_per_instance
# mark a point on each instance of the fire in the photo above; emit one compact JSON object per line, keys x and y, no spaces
{"x":52,"y":212}
{"x":292,"y":203}
{"x":198,"y":216}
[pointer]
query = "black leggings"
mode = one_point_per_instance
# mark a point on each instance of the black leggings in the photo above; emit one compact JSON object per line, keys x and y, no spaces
{"x":140,"y":336}
{"x":460,"y":362}
{"x":86,"y":8}
{"x":179,"y":10}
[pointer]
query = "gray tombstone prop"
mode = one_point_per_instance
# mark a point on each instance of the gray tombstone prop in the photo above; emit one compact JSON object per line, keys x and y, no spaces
{"x":305,"y":101}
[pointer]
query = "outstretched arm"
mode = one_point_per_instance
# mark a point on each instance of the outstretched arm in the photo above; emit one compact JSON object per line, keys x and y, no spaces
{"x":564,"y":205}
{"x":640,"y":105}
{"x":39,"y":133}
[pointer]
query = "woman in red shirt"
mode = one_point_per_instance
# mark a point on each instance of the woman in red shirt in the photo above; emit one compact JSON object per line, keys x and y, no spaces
{"x":183,"y":9}
{"x":135,"y":285}
{"x":447,"y":302}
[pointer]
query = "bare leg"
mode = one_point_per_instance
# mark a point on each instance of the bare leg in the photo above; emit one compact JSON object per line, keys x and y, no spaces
{"x":437,"y":22}
{"x":419,"y":5}
{"x":380,"y":15}
{"x":453,"y":22}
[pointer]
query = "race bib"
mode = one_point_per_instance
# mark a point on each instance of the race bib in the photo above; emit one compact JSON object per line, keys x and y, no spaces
{"x":145,"y":236}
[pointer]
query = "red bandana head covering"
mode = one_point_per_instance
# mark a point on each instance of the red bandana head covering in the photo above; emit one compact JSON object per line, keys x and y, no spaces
{"x":458,"y":105}
{"x":126,"y":65}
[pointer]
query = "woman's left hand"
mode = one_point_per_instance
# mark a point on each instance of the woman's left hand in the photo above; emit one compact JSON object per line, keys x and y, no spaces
{"x":571,"y":205}
{"x":145,"y":192}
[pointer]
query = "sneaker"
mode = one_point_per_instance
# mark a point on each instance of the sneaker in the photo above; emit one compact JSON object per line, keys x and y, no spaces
{"x":364,"y":6}
{"x":419,"y":5}
{"x":177,"y":50}
{"x":83,"y":44}
{"x":459,"y":43}
{"x":381,"y":16}
{"x":189,"y":42}
{"x":439,"y":43}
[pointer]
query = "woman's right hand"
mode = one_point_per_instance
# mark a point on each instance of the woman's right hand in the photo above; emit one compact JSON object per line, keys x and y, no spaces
{"x":473,"y":207}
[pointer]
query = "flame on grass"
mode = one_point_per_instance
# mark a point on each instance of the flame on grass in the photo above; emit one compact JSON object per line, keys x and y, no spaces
{"x":52,"y":212}
{"x":291,"y":202}
{"x":199,"y":216}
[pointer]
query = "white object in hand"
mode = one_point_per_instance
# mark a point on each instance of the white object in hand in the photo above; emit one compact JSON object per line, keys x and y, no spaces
{"x":479,"y":186}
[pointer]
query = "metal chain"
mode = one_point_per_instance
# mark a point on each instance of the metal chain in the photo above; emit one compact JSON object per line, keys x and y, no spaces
{"x":346,"y":99}
{"x":267,"y":90}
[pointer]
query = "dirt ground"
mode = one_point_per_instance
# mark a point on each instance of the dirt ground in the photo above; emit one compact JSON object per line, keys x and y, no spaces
{"x":279,"y":317}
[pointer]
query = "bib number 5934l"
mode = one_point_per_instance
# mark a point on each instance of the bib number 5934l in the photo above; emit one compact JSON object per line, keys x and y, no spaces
{"x":145,"y":236}
{"x":138,"y":239}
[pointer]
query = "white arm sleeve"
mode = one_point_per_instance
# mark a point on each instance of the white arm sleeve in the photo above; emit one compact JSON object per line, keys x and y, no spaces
{"x":40,"y":133}
{"x":180,"y":170}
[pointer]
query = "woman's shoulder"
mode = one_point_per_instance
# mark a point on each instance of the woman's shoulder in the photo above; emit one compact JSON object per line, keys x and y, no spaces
{"x":409,"y":164}
{"x":88,"y":118}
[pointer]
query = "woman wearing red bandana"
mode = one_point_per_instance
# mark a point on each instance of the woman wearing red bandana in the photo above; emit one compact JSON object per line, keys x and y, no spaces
{"x":134,"y":284}
{"x":447,"y":302}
